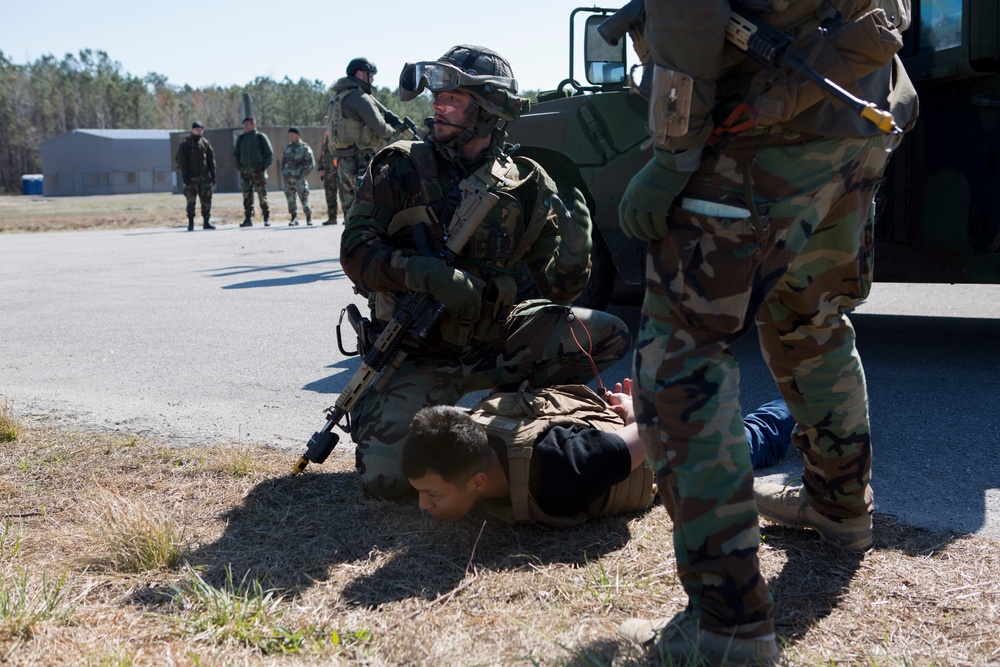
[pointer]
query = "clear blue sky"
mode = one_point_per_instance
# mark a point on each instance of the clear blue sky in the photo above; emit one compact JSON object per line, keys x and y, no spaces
{"x":224,"y":42}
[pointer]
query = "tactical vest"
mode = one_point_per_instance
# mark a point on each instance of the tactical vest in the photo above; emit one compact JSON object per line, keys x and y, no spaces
{"x":499,"y":290}
{"x":520,"y":418}
{"x":349,"y":132}
{"x":860,"y":36}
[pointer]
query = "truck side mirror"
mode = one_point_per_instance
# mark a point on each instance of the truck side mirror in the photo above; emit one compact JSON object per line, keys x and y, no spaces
{"x":605,"y":64}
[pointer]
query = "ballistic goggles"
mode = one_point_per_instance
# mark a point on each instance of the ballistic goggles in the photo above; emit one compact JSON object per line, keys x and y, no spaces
{"x":438,"y":77}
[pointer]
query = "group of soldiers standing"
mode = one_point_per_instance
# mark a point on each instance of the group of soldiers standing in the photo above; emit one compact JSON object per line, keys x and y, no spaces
{"x":357,"y":127}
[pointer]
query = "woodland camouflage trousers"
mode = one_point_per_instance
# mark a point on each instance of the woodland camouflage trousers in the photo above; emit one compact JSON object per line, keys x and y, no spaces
{"x":350,"y":170}
{"x":796,"y":268}
{"x":535,"y":344}
{"x":331,"y":183}
{"x":300,"y":187}
{"x":199,"y":187}
{"x":250,"y":182}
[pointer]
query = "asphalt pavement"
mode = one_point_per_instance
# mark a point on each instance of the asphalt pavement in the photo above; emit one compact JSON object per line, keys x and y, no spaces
{"x":229,"y":335}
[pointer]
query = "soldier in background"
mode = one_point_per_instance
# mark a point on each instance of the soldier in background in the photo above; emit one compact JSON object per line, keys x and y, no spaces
{"x":196,"y":161}
{"x":253,"y":155}
{"x":297,"y":163}
{"x":328,"y":173}
{"x":356,"y":125}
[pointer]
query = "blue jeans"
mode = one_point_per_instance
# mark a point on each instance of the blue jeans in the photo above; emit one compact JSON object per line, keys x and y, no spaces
{"x":769,"y":431}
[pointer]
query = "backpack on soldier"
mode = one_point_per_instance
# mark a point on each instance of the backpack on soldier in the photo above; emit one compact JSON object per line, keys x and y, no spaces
{"x":520,"y":418}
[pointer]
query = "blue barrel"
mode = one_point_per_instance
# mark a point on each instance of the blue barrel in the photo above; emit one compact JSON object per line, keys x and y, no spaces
{"x":32,"y":184}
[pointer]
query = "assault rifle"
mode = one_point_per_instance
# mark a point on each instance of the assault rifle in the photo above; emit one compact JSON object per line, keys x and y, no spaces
{"x":399,"y":124}
{"x":764,"y":44}
{"x":414,"y":320}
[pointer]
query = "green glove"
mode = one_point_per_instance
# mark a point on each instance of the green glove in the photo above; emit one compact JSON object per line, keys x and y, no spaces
{"x":454,"y":288}
{"x":642,"y":212}
{"x":574,"y":227}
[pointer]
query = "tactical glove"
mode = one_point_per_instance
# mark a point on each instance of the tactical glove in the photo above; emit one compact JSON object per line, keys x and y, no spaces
{"x":392,"y":120}
{"x":643,"y":210}
{"x":574,"y":227}
{"x":454,"y":288}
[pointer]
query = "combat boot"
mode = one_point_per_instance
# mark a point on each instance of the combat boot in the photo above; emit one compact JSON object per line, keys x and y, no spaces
{"x":294,"y":222}
{"x":309,"y":217}
{"x":247,"y":222}
{"x":205,"y":223}
{"x":788,"y":505}
{"x":191,"y":223}
{"x":330,"y":221}
{"x":684,"y":642}
{"x":267,"y":218}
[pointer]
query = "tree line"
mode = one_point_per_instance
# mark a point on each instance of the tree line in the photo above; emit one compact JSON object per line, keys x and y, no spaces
{"x":48,"y":97}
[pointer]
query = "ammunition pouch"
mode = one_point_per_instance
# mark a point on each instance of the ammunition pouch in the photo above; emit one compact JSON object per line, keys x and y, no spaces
{"x":843,"y":56}
{"x":669,"y":104}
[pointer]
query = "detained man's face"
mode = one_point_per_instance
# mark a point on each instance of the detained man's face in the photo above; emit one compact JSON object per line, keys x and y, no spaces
{"x":449,"y":107}
{"x":443,"y":500}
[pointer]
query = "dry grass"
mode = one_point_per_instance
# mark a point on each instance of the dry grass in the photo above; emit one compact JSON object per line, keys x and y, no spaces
{"x":19,"y":213}
{"x":307,"y":571}
{"x":10,"y":427}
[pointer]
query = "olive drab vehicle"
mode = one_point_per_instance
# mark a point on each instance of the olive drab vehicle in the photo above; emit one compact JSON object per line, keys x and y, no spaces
{"x":937,"y":212}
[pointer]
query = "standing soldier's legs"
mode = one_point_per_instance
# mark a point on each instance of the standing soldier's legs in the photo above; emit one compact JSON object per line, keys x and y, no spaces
{"x":290,"y":196}
{"x":347,"y":178}
{"x":705,"y":283}
{"x":260,"y":185}
{"x":246,"y":186}
{"x":330,"y":185}
{"x":379,"y":422}
{"x":303,"y":190}
{"x":190,"y":194}
{"x":808,"y":340}
{"x":205,"y":193}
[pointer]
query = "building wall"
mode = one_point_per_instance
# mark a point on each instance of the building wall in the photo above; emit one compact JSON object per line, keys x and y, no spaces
{"x":103,"y":162}
{"x":224,"y":142}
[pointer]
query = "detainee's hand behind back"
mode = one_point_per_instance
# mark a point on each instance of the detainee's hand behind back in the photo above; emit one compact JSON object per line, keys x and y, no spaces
{"x":620,"y":400}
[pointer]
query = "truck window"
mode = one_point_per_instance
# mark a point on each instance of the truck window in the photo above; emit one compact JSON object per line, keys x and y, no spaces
{"x":940,"y":25}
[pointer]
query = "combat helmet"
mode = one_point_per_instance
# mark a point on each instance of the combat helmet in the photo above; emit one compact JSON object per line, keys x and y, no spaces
{"x":479,"y":71}
{"x":362,"y":64}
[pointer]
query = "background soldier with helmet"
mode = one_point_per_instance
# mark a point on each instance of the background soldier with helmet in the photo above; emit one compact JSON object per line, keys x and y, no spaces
{"x":412,"y":194}
{"x":196,"y":161}
{"x":356,"y":126}
{"x":297,"y":162}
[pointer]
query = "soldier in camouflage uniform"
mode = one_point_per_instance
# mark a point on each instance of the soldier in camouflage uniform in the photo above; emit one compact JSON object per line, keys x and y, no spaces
{"x":253,"y":154}
{"x":328,"y":172}
{"x":544,"y":341}
{"x":196,"y":161}
{"x":356,"y":125}
{"x":297,"y":163}
{"x":768,"y":226}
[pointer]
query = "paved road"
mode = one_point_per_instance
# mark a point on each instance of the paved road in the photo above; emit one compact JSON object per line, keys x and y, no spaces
{"x":229,"y":336}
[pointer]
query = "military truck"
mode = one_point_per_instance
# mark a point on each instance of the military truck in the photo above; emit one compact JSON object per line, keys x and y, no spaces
{"x":937,"y":213}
